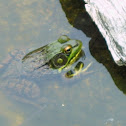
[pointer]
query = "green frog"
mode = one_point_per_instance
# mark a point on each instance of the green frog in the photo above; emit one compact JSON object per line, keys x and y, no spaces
{"x":56,"y":55}
{"x":23,"y":74}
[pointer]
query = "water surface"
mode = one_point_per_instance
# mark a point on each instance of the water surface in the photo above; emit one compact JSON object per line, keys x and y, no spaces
{"x":91,"y":98}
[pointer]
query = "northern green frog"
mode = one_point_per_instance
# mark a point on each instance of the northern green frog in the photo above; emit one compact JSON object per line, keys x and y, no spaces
{"x":56,"y":55}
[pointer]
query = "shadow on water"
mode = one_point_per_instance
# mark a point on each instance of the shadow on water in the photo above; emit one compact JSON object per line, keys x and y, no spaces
{"x":79,"y":18}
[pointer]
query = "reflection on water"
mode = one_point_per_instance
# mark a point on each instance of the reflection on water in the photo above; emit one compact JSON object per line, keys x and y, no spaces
{"x":77,"y":16}
{"x":91,"y":98}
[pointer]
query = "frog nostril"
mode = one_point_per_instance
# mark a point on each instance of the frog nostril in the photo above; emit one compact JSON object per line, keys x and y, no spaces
{"x":75,"y":45}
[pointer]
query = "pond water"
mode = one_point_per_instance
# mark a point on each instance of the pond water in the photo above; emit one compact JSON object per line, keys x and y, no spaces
{"x":93,"y":98}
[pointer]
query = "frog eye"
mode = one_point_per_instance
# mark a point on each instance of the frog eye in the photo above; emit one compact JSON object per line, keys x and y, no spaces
{"x":63,"y":39}
{"x":68,"y":49}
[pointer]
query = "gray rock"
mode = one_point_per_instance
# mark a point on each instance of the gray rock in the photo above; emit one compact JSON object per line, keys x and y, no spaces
{"x":110,"y":18}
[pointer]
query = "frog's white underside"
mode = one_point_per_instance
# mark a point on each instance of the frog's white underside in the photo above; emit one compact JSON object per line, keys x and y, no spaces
{"x":110,"y":18}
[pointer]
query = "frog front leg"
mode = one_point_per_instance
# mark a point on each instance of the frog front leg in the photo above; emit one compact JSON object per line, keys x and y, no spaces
{"x":75,"y":71}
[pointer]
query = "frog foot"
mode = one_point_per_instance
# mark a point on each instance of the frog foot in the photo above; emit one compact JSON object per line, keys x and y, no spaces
{"x":77,"y":70}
